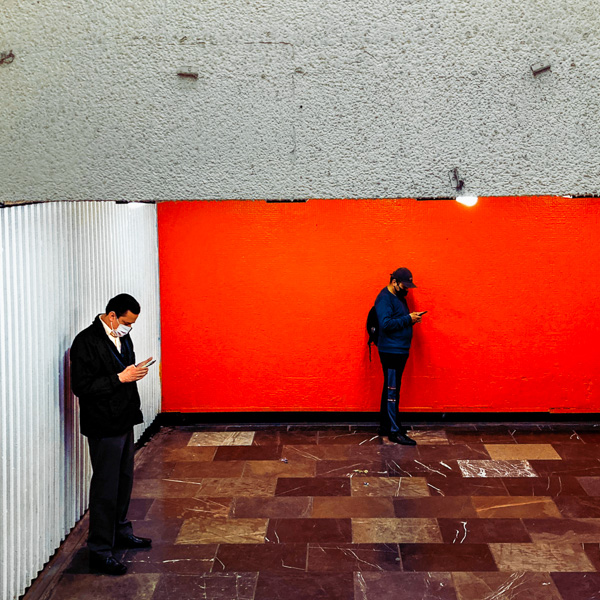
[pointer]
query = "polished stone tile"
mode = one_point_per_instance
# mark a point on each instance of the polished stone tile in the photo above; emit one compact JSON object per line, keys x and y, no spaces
{"x":386,"y":452}
{"x":348,"y":507}
{"x":157,"y":469}
{"x":186,"y":454}
{"x":578,"y":451}
{"x":139,"y":507}
{"x":436,"y":437}
{"x":350,"y":468}
{"x":482,"y":531}
{"x":568,"y":531}
{"x":225,"y":453}
{"x":419,"y":468}
{"x":207,"y":586}
{"x":295,"y":467}
{"x":593,"y":553}
{"x":505,"y":586}
{"x":479,"y":437}
{"x":171,"y":437}
{"x":318,"y":452}
{"x":388,"y":531}
{"x":222,"y":531}
{"x":408,"y":487}
{"x":591,"y":485}
{"x":100,"y":587}
{"x":216,"y":521}
{"x":588,"y":435}
{"x":304,"y":586}
{"x":522,"y":452}
{"x":355,"y":438}
{"x":272,"y":508}
{"x":515,"y":507}
{"x":366,"y":427}
{"x":178,"y":560}
{"x":313,"y":486}
{"x":164,"y":488}
{"x":161,"y":531}
{"x":577,"y":586}
{"x":222,"y":438}
{"x":227,"y":488}
{"x":184,"y":508}
{"x":579,"y":506}
{"x":304,"y":531}
{"x":544,"y":437}
{"x":447,"y":557}
{"x":496,"y":468}
{"x":541,"y":557}
{"x":353,"y":557}
{"x":399,"y":586}
{"x":487,"y":427}
{"x":279,"y":438}
{"x":198,"y":470}
{"x":453,"y":451}
{"x":546,"y":485}
{"x":462,"y":486}
{"x":574,"y":468}
{"x":434,"y":506}
{"x":260,"y":557}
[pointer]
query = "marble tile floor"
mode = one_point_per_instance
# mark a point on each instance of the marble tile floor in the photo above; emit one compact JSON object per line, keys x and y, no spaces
{"x":473,"y":512}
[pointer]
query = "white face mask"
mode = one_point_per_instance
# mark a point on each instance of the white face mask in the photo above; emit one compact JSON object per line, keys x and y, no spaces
{"x":121,"y":330}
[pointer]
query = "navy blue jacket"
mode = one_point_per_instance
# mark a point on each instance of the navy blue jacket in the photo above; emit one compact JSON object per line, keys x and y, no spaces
{"x":395,"y":323}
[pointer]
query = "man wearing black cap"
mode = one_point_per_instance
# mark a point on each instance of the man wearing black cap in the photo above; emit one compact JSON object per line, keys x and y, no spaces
{"x":395,"y":335}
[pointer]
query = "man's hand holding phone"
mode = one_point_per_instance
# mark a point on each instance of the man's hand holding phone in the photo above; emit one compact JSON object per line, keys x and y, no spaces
{"x":135,"y":372}
{"x":416,"y":316}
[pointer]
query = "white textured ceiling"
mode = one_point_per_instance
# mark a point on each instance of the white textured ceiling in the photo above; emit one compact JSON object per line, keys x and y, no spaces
{"x":297,"y":98}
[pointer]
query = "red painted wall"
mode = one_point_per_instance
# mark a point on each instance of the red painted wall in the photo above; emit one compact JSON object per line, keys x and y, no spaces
{"x":264,"y":304}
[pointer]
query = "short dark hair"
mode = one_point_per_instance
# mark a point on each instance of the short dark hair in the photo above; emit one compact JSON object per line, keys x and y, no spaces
{"x":123,"y":303}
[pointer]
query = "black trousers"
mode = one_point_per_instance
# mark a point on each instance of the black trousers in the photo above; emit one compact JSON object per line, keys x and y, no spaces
{"x":110,"y":490}
{"x":393,"y":367}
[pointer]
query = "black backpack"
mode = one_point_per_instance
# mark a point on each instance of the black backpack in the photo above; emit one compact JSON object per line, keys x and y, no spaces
{"x":372,"y":328}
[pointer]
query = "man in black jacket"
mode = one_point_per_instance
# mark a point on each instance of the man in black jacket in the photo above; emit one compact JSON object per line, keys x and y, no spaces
{"x":104,"y":376}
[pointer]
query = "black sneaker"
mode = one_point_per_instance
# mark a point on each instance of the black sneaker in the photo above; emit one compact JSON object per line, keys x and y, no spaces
{"x":402,"y":438}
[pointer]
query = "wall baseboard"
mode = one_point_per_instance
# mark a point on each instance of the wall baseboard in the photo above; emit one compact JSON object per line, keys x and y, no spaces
{"x":367,"y":418}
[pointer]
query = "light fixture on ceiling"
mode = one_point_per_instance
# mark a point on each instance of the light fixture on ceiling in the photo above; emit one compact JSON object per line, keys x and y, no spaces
{"x":467,"y":200}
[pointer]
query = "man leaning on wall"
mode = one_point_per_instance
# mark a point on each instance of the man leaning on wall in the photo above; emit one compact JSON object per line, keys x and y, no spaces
{"x":103,"y":377}
{"x":395,"y":337}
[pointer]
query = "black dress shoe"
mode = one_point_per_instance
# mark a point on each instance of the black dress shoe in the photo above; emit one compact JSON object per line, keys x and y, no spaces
{"x":402,"y":438}
{"x":107,"y":564}
{"x":132,"y":541}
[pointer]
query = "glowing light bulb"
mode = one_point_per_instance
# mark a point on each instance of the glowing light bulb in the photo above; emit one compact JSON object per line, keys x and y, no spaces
{"x":467,"y":200}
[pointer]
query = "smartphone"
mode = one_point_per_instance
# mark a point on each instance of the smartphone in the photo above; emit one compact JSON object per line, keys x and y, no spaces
{"x":422,"y":312}
{"x":147,"y":365}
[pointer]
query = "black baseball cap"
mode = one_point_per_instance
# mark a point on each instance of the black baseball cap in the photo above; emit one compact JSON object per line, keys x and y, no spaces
{"x":403,"y":276}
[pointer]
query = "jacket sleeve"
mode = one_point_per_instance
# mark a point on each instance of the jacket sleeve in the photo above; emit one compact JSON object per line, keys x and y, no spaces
{"x":87,"y":378}
{"x":384,"y":315}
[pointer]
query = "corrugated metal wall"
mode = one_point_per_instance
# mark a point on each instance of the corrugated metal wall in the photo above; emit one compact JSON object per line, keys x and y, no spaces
{"x":60,"y":263}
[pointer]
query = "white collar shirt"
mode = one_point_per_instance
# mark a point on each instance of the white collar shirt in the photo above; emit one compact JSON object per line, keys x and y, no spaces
{"x":114,"y":339}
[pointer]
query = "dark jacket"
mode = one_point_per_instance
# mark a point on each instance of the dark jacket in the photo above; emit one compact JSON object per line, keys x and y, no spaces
{"x":107,"y":406}
{"x":395,"y":323}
